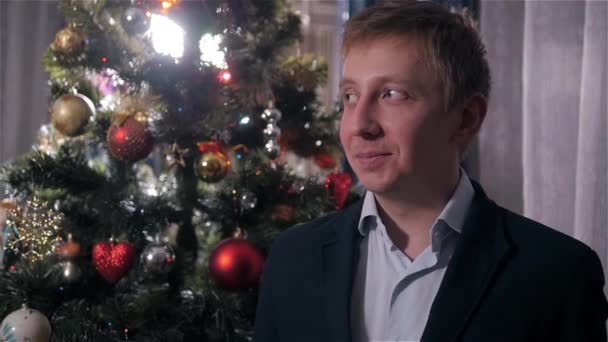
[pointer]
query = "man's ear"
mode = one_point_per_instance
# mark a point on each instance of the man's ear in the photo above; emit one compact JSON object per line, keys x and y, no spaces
{"x":473,"y":112}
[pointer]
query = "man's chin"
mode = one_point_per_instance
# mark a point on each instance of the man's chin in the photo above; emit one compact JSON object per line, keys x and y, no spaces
{"x":377,"y":186}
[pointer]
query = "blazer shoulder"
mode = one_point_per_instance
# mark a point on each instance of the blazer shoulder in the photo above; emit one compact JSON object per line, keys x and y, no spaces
{"x":530,"y":235}
{"x":306,"y":233}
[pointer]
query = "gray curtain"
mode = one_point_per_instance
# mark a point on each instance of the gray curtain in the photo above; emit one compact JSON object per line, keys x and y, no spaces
{"x":543,"y":148}
{"x":26,"y":30}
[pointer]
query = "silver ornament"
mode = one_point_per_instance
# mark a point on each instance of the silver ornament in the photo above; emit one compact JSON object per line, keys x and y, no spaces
{"x":167,"y":184}
{"x":187,"y":295}
{"x":104,"y":20}
{"x":69,"y":272}
{"x":272,"y":149}
{"x":210,"y":202}
{"x":146,"y":180}
{"x":248,"y":200}
{"x":128,"y":205}
{"x":46,"y":141}
{"x":157,"y":259}
{"x":135,"y":21}
{"x":271,"y":131}
{"x":198,"y":217}
{"x":212,"y":226}
{"x":298,"y":186}
{"x":271,"y":115}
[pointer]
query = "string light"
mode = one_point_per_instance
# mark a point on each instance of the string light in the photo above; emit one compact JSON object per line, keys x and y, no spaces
{"x":166,"y":5}
{"x":245,"y":120}
{"x":225,"y":76}
{"x":211,"y":52}
{"x":167,"y":37}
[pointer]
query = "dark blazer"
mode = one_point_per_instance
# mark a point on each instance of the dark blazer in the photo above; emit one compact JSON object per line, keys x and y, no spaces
{"x":510,"y":279}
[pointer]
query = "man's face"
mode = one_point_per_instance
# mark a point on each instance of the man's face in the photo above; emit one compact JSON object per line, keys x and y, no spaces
{"x":395,"y":131}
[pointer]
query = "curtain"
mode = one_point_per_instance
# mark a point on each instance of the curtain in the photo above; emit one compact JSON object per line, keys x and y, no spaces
{"x":26,"y":30}
{"x":543,"y":149}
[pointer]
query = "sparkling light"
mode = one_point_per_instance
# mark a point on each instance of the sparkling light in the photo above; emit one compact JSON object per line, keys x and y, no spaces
{"x":225,"y":76}
{"x":211,"y":52}
{"x":108,"y":102}
{"x":151,"y":192}
{"x":245,"y":120}
{"x":167,"y":37}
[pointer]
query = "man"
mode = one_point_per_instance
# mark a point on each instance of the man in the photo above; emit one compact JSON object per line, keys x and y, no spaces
{"x":425,"y":255}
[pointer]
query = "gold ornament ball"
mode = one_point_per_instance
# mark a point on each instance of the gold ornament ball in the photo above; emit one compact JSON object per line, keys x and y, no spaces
{"x":69,"y":249}
{"x":69,"y":41}
{"x":212,"y":166}
{"x":71,"y":113}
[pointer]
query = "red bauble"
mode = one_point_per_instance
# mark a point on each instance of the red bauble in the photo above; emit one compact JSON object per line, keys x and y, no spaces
{"x":325,"y":160}
{"x":236,"y":264}
{"x":129,"y":141}
{"x":283,"y":212}
{"x":339,"y":185}
{"x":113,"y":260}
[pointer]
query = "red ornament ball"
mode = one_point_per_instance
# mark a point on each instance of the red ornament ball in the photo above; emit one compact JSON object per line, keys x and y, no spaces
{"x":325,"y":160}
{"x":113,"y":260}
{"x":236,"y":264}
{"x":129,"y":141}
{"x":283,"y":212}
{"x":339,"y":185}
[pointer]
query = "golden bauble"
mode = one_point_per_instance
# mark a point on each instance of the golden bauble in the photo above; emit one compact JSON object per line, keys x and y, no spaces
{"x":71,"y":113}
{"x":69,"y":249}
{"x":8,"y":204}
{"x":212,"y":166}
{"x":69,"y":41}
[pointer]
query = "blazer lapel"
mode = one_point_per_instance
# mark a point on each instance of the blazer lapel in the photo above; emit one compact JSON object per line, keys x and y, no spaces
{"x":339,"y":256}
{"x":476,"y":261}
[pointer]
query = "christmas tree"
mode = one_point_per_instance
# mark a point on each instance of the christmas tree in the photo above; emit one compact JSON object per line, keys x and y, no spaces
{"x":184,"y":136}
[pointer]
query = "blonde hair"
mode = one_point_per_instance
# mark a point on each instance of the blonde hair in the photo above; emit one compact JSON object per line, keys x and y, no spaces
{"x":451,"y":45}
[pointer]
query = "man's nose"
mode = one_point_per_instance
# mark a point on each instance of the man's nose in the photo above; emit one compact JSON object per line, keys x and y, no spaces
{"x":365,"y":120}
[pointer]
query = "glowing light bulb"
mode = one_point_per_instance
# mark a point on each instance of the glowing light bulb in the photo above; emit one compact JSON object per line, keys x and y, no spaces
{"x":225,"y":76}
{"x":245,"y":120}
{"x":167,"y":37}
{"x":211,"y":52}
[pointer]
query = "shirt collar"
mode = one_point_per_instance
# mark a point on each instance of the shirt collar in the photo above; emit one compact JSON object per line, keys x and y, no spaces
{"x":368,"y":211}
{"x":455,"y":211}
{"x":453,"y":214}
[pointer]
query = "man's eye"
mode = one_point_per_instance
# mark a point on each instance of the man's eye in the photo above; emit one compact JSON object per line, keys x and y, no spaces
{"x":394,"y":94}
{"x":349,"y":97}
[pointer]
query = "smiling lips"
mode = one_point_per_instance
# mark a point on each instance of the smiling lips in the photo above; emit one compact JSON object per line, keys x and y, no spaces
{"x":371,"y":160}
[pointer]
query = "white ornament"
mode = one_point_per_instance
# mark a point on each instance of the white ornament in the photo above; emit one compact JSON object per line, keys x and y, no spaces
{"x":24,"y":325}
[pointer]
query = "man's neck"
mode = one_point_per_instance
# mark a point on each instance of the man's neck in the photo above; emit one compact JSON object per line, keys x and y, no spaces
{"x":409,"y":216}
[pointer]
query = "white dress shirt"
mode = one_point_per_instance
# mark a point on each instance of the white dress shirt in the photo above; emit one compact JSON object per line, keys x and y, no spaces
{"x":392,"y":295}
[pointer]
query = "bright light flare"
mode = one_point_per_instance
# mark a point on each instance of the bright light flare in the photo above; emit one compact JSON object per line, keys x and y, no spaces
{"x":245,"y":120}
{"x":211,"y":52}
{"x":225,"y":76}
{"x":167,"y":37}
